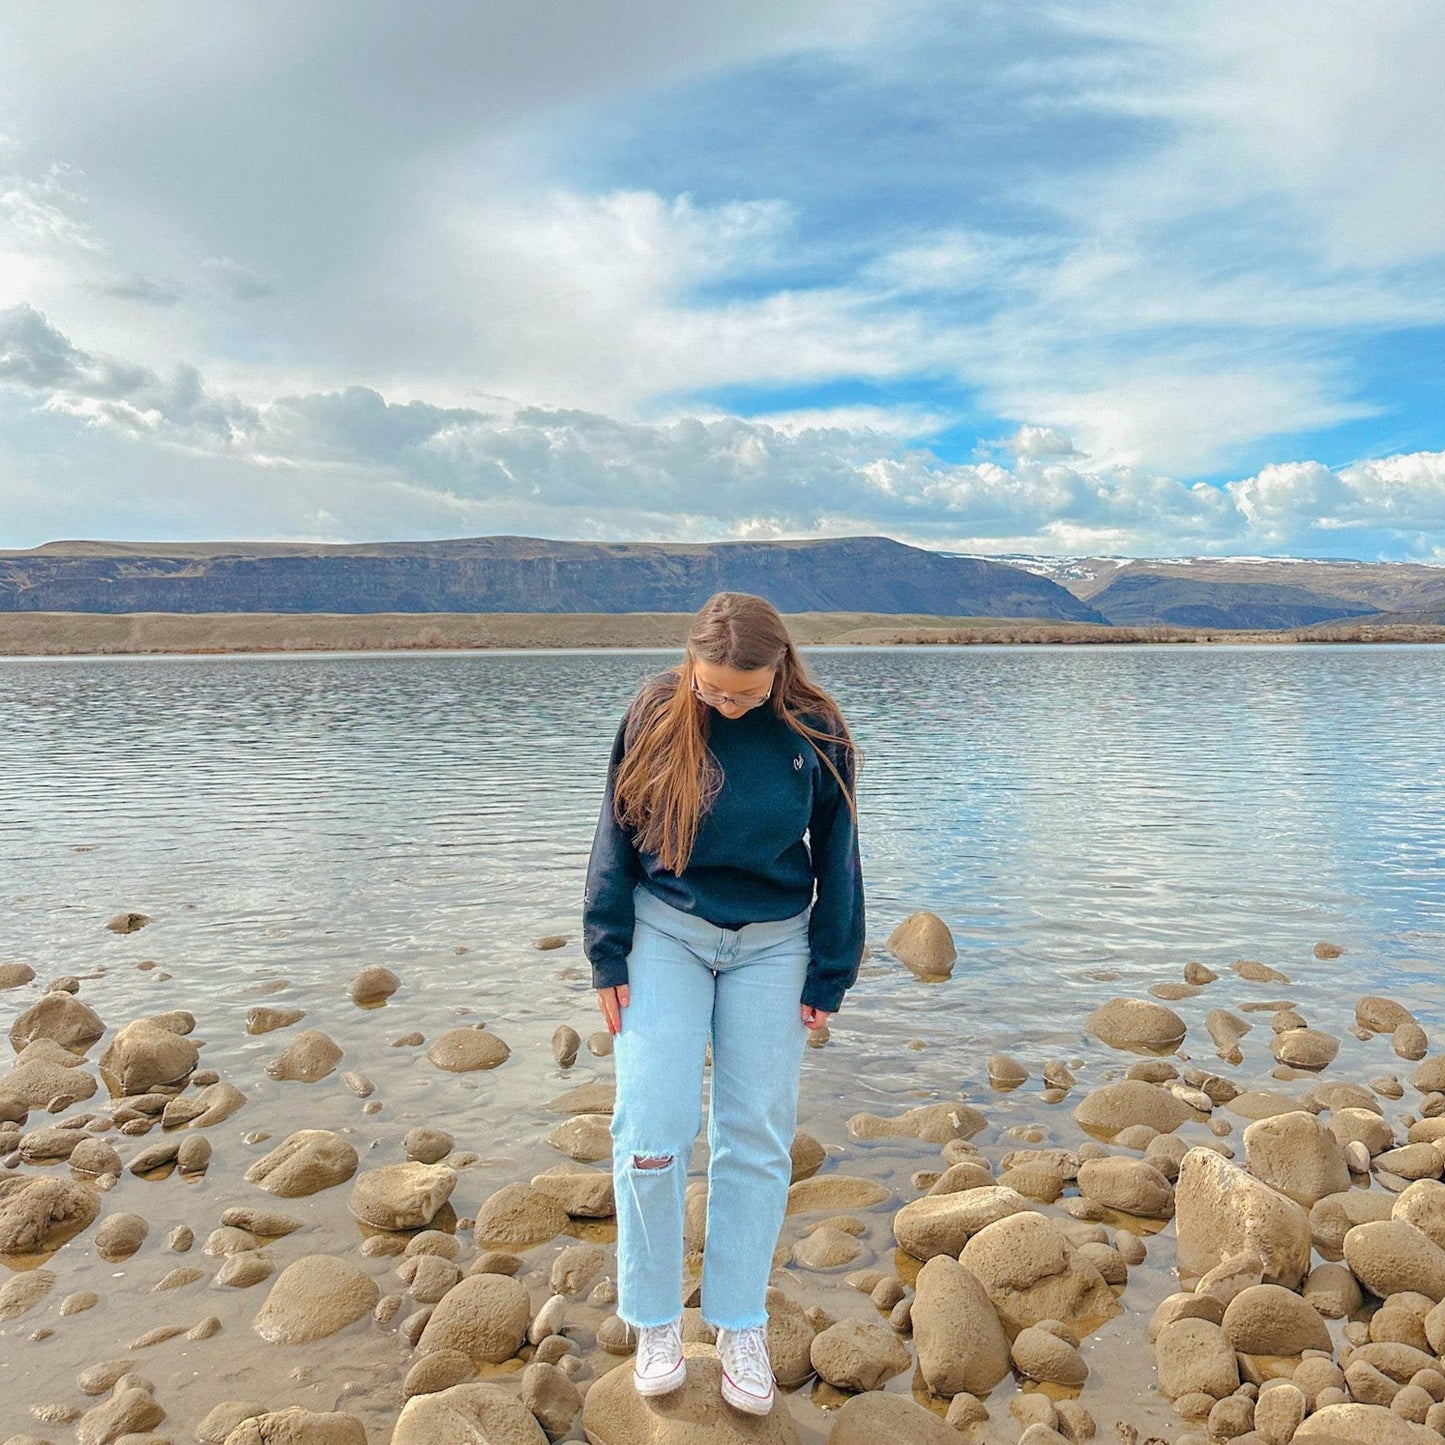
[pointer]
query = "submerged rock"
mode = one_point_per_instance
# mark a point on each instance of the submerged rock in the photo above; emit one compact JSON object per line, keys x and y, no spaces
{"x":923,"y":944}
{"x":1138,"y":1024}
{"x":41,"y":1213}
{"x":461,"y":1051}
{"x":303,"y":1163}
{"x":314,"y":1297}
{"x":373,"y":985}
{"x":60,"y":1017}
{"x":311,"y":1056}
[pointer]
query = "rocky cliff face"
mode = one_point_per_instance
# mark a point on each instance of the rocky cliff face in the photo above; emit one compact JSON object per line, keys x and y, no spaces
{"x":521,"y":574}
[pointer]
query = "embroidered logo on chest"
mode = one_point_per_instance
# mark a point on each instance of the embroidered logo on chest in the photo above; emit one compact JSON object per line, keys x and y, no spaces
{"x":798,"y":763}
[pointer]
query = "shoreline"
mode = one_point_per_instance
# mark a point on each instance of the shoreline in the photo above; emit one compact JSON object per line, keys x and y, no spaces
{"x":88,"y":634}
{"x":173,"y":1253}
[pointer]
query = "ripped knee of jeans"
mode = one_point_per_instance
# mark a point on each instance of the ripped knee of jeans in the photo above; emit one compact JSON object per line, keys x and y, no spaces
{"x":646,"y":1162}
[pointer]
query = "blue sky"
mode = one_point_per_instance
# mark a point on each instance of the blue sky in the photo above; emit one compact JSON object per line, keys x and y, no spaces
{"x":1111,"y":276}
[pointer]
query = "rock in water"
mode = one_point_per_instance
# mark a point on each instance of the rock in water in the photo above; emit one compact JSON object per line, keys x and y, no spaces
{"x":615,"y":1414}
{"x":923,"y":944}
{"x":461,"y":1051}
{"x":314,"y":1297}
{"x":296,"y":1425}
{"x":373,"y":985}
{"x":60,"y":1017}
{"x":1032,"y":1272}
{"x":311,"y":1056}
{"x":39,"y":1213}
{"x":468,"y":1412}
{"x":144,"y":1056}
{"x":1137,"y":1024}
{"x":401,"y":1196}
{"x":875,"y":1417}
{"x":1221,"y":1211}
{"x":304,"y":1162}
{"x":960,"y":1342}
{"x":485,"y":1317}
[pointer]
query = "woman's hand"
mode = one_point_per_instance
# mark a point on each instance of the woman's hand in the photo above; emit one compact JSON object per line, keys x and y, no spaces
{"x":612,"y":1001}
{"x":814,"y":1018}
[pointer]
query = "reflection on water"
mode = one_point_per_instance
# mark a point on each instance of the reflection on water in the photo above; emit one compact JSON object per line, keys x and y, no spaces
{"x":1065,"y":810}
{"x":1086,"y":820}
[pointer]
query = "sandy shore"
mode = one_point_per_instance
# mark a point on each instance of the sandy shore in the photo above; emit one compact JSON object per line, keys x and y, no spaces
{"x":53,"y":634}
{"x":158,"y":1283}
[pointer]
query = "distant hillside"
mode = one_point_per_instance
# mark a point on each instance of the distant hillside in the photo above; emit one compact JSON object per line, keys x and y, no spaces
{"x":1136,"y":599}
{"x":522,"y":574}
{"x":1246,"y":592}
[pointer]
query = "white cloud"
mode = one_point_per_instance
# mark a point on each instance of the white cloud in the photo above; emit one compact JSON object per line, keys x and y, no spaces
{"x":351,"y":465}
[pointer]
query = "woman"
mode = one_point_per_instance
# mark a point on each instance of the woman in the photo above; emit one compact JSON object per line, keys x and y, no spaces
{"x":709,"y":918}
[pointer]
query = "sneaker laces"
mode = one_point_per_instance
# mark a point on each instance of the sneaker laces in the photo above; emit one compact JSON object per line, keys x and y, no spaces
{"x":748,"y":1353}
{"x":658,"y":1347}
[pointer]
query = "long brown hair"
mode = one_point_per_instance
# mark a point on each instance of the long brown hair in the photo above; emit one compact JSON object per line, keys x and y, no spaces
{"x":667,"y":778}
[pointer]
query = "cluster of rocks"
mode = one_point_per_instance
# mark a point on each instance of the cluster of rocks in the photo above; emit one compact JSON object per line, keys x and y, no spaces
{"x":1310,"y":1248}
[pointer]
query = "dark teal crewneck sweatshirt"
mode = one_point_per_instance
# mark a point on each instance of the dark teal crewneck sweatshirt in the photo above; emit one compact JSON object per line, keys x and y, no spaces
{"x":778,"y":837}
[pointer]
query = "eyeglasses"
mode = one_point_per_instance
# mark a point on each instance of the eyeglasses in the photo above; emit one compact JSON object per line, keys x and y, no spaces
{"x":713,"y":698}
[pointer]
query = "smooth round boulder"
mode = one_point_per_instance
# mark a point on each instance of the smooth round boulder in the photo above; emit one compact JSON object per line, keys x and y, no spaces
{"x":1112,"y":1108}
{"x":518,"y":1216}
{"x":468,"y":1412}
{"x":303,"y":1163}
{"x":874,"y":1417}
{"x":485,"y":1316}
{"x":959,"y":1340}
{"x":1305,"y":1048}
{"x":858,"y":1355}
{"x":1129,"y":1186}
{"x":42,"y":1084}
{"x":13,"y":975}
{"x":1423,"y":1205}
{"x":613,"y":1413}
{"x":1357,"y":1424}
{"x":463,"y":1051}
{"x":61,"y":1017}
{"x":1381,"y":1015}
{"x":427,"y":1146}
{"x":1137,"y":1024}
{"x":1267,"y":1319}
{"x":144,"y":1056}
{"x":372,"y":986}
{"x":933,"y":1123}
{"x":314,"y":1297}
{"x":308,"y":1059}
{"x":1039,"y":1354}
{"x":120,"y":1236}
{"x":1032,"y":1272}
{"x":944,"y":1223}
{"x":401,"y":1196}
{"x":1392,"y":1256}
{"x":923,"y":944}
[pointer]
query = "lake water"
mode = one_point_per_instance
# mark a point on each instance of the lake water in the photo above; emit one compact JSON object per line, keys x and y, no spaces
{"x":1086,"y":820}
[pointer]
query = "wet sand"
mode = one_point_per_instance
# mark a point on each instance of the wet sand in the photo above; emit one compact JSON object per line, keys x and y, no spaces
{"x":63,"y":634}
{"x":500,"y":1118}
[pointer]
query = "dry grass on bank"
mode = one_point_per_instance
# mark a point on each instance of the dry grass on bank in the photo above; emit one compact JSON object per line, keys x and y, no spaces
{"x":56,"y":634}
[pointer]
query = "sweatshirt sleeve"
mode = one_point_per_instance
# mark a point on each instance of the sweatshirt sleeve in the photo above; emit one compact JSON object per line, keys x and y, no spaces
{"x":613,"y":872}
{"x":835,"y":930}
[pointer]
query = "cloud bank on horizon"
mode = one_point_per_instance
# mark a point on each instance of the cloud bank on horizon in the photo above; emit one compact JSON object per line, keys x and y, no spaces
{"x":1101,"y":276}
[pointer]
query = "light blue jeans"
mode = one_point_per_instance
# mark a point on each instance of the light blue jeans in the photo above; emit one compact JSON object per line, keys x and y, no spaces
{"x":689,"y":982}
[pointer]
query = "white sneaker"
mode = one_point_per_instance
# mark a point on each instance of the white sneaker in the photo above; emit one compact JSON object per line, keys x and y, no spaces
{"x":747,"y":1373}
{"x":659,"y":1366}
